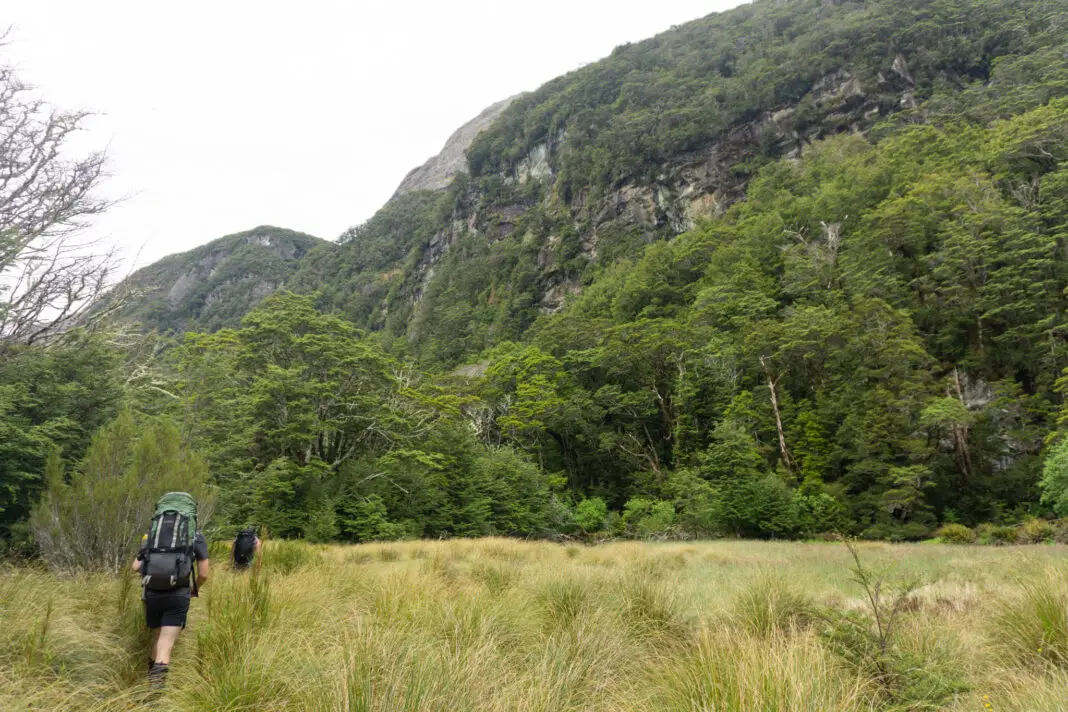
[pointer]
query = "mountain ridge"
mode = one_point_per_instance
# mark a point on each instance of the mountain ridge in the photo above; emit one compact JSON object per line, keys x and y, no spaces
{"x":213,"y":285}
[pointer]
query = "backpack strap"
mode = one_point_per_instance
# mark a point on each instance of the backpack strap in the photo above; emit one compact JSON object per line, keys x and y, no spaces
{"x":194,"y":568}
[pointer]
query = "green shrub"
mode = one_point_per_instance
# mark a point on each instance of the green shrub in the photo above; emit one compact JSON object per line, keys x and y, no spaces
{"x":996,"y":534}
{"x":820,"y":513}
{"x":646,"y":517}
{"x":87,"y":519}
{"x":956,"y":534}
{"x":322,"y":526}
{"x":591,"y":514}
{"x":1060,"y":530}
{"x":1036,"y":531}
{"x":367,"y":519}
{"x":869,"y":640}
{"x":1054,"y":482}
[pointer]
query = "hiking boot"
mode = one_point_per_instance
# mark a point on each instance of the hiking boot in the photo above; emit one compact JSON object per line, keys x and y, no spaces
{"x":157,"y":675}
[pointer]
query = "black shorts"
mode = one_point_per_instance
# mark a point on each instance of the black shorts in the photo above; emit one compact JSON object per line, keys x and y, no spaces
{"x":166,"y":610}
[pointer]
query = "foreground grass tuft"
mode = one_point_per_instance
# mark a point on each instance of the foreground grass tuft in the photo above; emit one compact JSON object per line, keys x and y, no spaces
{"x":1031,"y":624}
{"x":771,"y":605}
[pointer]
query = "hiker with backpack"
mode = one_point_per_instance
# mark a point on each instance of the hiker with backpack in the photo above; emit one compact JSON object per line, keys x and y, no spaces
{"x":173,"y":563}
{"x":245,"y":548}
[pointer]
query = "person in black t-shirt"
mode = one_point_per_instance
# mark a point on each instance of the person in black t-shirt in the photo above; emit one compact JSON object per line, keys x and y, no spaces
{"x":166,"y":611}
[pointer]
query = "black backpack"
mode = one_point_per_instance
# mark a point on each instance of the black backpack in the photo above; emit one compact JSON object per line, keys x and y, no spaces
{"x":169,"y":554}
{"x":245,"y":547}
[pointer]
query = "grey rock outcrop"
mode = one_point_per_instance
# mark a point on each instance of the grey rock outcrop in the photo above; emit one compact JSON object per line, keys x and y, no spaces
{"x":437,"y":172}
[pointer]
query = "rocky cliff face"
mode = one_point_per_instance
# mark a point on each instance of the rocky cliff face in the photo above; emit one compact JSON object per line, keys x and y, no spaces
{"x":439,"y":171}
{"x":688,"y":187}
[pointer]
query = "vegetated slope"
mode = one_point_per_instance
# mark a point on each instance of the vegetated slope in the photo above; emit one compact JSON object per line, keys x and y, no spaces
{"x":639,"y":146}
{"x":214,"y":285}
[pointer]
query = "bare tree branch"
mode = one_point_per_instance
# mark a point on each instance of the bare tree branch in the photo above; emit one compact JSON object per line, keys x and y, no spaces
{"x":49,"y":276}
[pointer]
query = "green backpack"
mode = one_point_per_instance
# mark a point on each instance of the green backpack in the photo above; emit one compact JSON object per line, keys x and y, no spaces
{"x":169,"y":555}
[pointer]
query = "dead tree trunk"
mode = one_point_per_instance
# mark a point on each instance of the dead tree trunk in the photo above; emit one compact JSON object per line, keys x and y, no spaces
{"x":784,"y":451}
{"x":960,"y":433}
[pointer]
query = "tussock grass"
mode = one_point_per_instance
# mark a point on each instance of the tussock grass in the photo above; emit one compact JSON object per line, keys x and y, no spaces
{"x":1031,"y":624}
{"x":510,"y":626}
{"x":564,"y":602}
{"x":770,"y":606}
{"x":286,"y":557}
{"x":735,"y":670}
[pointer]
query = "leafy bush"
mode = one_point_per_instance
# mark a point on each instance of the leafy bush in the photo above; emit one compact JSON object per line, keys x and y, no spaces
{"x":367,"y":519}
{"x":870,"y":641}
{"x":517,"y":491}
{"x":322,"y":523}
{"x":1036,"y":531}
{"x":645,"y":517}
{"x":820,"y":513}
{"x":1054,"y":482}
{"x":762,"y":508}
{"x":92,"y":522}
{"x":591,"y":514}
{"x":997,"y":535}
{"x":956,"y":534}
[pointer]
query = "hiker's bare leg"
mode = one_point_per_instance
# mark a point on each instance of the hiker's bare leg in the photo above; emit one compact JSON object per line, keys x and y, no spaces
{"x":155,"y":643}
{"x":165,"y":643}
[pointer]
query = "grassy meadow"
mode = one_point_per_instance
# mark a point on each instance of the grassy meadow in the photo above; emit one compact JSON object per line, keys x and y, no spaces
{"x":508,"y":625}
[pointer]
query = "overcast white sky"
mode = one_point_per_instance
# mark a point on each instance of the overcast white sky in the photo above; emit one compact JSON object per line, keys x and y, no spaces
{"x":220,"y":115}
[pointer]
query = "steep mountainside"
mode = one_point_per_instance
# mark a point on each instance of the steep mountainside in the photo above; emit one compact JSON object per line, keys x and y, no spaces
{"x":214,"y":285}
{"x":638,"y":147}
